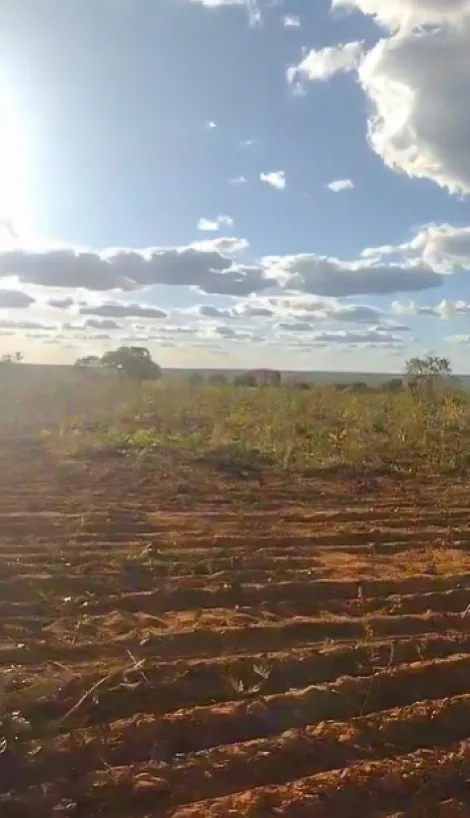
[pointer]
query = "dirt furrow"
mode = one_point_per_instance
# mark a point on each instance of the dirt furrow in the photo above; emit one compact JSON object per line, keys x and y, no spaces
{"x":169,"y":686}
{"x":416,"y":781}
{"x":412,"y":782}
{"x":256,"y":716}
{"x":198,"y":642}
{"x":294,"y":754}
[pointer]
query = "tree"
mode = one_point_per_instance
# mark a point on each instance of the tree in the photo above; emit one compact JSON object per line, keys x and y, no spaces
{"x":245,"y":379}
{"x":359,"y":386}
{"x":258,"y":377}
{"x":196,"y":379}
{"x":87,"y":360}
{"x":393,"y":385}
{"x":424,"y":375}
{"x":218,"y":379}
{"x":135,"y":362}
{"x":14,"y":358}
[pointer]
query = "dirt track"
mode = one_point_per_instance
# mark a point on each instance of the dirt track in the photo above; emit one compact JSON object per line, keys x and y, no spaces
{"x":193,"y":643}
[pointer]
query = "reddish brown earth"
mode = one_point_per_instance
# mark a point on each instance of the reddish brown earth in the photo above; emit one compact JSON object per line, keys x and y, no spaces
{"x":176,"y":641}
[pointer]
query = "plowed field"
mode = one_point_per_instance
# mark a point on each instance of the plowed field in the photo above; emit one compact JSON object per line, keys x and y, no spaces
{"x":187,"y":643}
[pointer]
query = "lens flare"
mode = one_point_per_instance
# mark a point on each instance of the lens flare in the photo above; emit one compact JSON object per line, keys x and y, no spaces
{"x":15,"y":177}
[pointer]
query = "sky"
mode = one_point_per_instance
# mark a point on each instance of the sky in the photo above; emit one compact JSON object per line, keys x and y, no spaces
{"x":236,"y":183}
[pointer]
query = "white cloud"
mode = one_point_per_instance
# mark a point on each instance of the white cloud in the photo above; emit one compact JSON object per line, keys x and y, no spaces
{"x":447,"y":308}
{"x":311,"y":308}
{"x":406,"y":14}
{"x":61,"y":303}
{"x":353,"y":313}
{"x":210,"y":311}
{"x":412,"y":308}
{"x":293,"y":304}
{"x":36,"y":335}
{"x":370,"y":335}
{"x":291,"y":21}
{"x":325,"y":63}
{"x":238,"y":180}
{"x":442,"y":247}
{"x":367,"y":337}
{"x":275,"y":178}
{"x":462,"y":340}
{"x":5,"y":323}
{"x":210,"y":125}
{"x":198,"y":265}
{"x":15,"y":299}
{"x":445,"y":248}
{"x":98,"y":336}
{"x":102,"y":323}
{"x":324,"y":276}
{"x":251,"y":6}
{"x":212,"y":267}
{"x":341,"y":184}
{"x":393,"y":326}
{"x":417,"y":83}
{"x":252,"y":310}
{"x":232,"y":334}
{"x":419,"y":86}
{"x":206,"y":224}
{"x":296,"y":326}
{"x":114,"y":309}
{"x":227,"y":245}
{"x":242,"y":310}
{"x":215,"y":224}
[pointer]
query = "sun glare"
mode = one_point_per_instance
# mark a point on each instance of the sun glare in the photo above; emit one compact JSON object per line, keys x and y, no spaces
{"x":14,"y":171}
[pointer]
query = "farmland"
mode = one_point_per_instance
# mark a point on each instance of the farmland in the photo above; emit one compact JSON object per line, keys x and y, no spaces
{"x":223,"y":602}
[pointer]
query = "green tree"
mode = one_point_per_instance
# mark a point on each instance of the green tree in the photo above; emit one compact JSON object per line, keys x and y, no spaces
{"x":425,"y":375}
{"x":218,"y":379}
{"x":393,"y":385}
{"x":196,"y":379}
{"x":245,"y":379}
{"x":359,"y":386}
{"x":87,"y":360}
{"x":135,"y":362}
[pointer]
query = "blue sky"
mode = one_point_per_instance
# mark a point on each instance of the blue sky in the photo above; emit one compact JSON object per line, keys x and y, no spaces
{"x":290,"y":190}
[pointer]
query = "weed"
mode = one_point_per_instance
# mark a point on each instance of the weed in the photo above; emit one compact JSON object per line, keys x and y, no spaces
{"x":14,"y":730}
{"x":249,"y":688}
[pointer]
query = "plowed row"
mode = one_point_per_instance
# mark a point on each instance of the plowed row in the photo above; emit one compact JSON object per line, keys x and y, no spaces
{"x":182,"y":645}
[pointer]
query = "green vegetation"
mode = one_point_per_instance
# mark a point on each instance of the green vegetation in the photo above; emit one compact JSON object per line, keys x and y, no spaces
{"x":134,"y":362}
{"x":245,"y":379}
{"x":316,"y":428}
{"x":427,"y":374}
{"x":385,"y":429}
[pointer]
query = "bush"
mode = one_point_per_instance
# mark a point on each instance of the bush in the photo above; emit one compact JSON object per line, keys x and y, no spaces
{"x":393,"y":385}
{"x":245,"y":379}
{"x":359,"y":386}
{"x":195,"y":379}
{"x":218,"y":379}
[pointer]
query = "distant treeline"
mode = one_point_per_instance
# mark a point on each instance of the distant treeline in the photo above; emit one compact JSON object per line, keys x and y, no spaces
{"x":269,"y":377}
